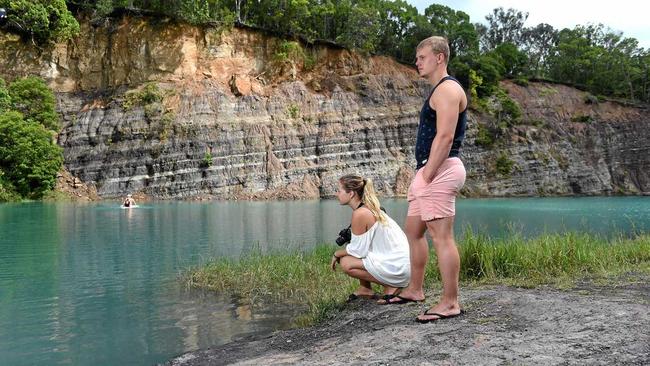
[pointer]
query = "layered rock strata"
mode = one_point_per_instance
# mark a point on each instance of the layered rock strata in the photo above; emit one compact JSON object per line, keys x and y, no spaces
{"x":232,"y":116}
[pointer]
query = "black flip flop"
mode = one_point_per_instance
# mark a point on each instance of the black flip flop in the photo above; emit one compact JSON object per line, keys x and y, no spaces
{"x":402,"y":300}
{"x":439,"y":317}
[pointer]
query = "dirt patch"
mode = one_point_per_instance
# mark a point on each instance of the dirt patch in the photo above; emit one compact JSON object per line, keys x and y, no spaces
{"x":74,"y":188}
{"x":588,"y":324}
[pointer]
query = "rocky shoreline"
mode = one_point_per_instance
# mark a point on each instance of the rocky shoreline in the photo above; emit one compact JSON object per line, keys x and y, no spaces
{"x":590,"y":323}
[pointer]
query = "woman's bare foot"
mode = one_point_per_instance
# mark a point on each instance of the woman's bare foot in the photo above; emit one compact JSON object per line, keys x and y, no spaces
{"x":407,"y":295}
{"x":362,"y":291}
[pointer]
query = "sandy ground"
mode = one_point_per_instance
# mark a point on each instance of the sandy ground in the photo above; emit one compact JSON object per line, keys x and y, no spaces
{"x":587,"y":324}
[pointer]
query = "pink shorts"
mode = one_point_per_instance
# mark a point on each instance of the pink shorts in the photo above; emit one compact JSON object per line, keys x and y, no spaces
{"x":437,"y":199}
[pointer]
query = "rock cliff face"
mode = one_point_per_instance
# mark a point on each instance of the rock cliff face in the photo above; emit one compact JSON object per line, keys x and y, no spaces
{"x":173,"y":111}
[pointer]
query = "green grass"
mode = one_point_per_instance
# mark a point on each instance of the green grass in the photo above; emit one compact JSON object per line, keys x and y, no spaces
{"x":550,"y":259}
{"x":306,"y":279}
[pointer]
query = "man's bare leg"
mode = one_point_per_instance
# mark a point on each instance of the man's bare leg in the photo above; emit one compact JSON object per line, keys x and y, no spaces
{"x":442,"y":232}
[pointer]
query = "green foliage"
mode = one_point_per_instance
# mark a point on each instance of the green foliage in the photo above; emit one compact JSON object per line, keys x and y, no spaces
{"x":41,"y":20}
{"x":5,"y":98}
{"x":7,"y":190}
{"x":29,"y":159}
{"x":490,"y":70}
{"x":149,"y":94}
{"x":584,"y":118}
{"x":203,"y":11}
{"x":28,"y":156}
{"x":293,"y":111}
{"x":512,"y":60}
{"x":456,"y":27}
{"x":361,"y":30}
{"x":521,"y":81}
{"x":295,"y":277}
{"x":602,"y":61}
{"x":484,"y":137}
{"x":504,"y":26}
{"x":289,"y":51}
{"x":591,"y":99}
{"x":592,"y":57}
{"x":504,"y":165}
{"x":549,"y":258}
{"x":207,"y":160}
{"x":505,"y":109}
{"x":35,"y":101}
{"x":475,"y":81}
{"x":538,"y":42}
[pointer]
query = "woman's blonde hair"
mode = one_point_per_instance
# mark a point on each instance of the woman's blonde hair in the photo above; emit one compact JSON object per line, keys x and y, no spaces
{"x":364,"y":188}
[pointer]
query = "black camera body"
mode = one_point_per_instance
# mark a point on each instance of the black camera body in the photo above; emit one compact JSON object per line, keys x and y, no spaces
{"x":345,"y":236}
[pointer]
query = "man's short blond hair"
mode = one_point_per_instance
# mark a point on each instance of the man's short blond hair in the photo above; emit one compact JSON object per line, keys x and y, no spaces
{"x":438,"y":45}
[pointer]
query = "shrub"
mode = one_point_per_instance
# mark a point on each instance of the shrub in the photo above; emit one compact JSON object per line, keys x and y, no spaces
{"x":507,"y":110}
{"x":293,"y":111}
{"x":521,"y":81}
{"x":35,"y":101}
{"x":149,"y":94}
{"x":490,"y":71}
{"x":504,"y":164}
{"x":207,"y":160}
{"x":584,"y":118}
{"x":28,"y":157}
{"x":289,"y":51}
{"x":5,"y":98}
{"x":484,"y":137}
{"x":591,"y":99}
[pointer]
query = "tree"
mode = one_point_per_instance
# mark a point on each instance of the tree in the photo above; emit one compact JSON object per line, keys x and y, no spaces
{"x":35,"y":101}
{"x":362,"y":29}
{"x":420,"y":30}
{"x":396,"y":18}
{"x":504,"y":26}
{"x":512,"y":60}
{"x":489,"y":70}
{"x":456,"y":27}
{"x":41,"y":20}
{"x":538,"y":42}
{"x":28,"y":157}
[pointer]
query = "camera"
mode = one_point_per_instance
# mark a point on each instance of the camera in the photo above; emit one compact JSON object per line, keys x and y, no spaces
{"x":345,"y":236}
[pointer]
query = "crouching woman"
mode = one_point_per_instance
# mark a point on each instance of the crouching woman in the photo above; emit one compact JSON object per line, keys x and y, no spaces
{"x":378,"y":251}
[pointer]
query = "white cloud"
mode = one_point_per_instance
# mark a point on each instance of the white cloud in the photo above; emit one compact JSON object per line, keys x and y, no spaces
{"x":627,"y":16}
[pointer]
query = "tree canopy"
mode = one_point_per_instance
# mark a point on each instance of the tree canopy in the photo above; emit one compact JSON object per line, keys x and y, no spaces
{"x":29,"y":158}
{"x":593,"y":57}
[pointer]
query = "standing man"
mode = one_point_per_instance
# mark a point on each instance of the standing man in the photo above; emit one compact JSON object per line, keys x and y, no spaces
{"x":440,"y":175}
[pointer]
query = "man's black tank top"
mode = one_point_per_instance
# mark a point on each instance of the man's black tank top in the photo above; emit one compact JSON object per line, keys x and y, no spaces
{"x":427,"y":130}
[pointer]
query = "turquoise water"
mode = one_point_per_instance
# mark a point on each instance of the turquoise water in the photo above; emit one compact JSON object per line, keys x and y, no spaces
{"x":94,"y":284}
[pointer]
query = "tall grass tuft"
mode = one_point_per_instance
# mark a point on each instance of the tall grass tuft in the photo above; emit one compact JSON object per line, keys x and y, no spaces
{"x":550,"y":257}
{"x":304,"y":278}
